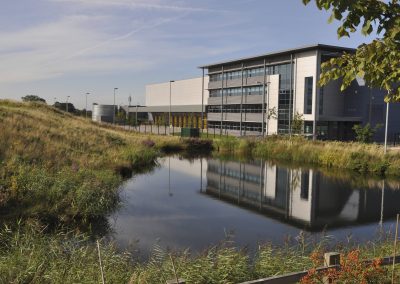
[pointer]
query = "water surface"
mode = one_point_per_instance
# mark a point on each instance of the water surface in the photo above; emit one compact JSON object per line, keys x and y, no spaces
{"x":197,"y":203}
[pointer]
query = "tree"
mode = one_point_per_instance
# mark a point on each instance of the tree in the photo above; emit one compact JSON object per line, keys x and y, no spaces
{"x":63,"y":106}
{"x":297,"y":123}
{"x":377,"y":62}
{"x":365,"y":134}
{"x":121,"y":116}
{"x":33,"y":98}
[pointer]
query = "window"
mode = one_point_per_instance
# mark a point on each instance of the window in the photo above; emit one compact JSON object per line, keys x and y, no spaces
{"x":308,"y":89}
{"x":255,"y":90}
{"x":321,"y":101}
{"x":305,"y":184}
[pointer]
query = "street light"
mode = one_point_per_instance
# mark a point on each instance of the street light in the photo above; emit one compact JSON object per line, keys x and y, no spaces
{"x":86,"y":104}
{"x":170,"y":95}
{"x":66,"y":105}
{"x":386,"y":125}
{"x":114,"y":106}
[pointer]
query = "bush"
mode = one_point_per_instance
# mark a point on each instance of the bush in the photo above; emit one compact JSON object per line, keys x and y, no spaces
{"x":366,"y":133}
{"x":352,"y":270}
{"x":197,"y":145}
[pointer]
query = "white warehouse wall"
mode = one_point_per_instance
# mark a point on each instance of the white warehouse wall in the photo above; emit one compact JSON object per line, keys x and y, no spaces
{"x":306,"y":66}
{"x":184,"y":92}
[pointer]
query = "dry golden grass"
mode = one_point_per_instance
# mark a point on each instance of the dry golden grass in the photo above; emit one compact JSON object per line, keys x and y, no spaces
{"x":53,"y":163}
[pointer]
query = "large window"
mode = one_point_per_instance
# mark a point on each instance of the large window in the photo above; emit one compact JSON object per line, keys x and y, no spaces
{"x":246,"y":108}
{"x":308,"y":89}
{"x":321,"y":101}
{"x":228,"y":92}
{"x":230,"y":125}
{"x":305,"y":184}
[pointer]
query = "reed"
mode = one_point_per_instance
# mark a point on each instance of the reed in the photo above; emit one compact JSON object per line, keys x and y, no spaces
{"x":357,"y":157}
{"x":28,"y":255}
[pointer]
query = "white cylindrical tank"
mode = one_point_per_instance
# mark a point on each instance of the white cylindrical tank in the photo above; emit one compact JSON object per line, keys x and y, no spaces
{"x":103,"y":113}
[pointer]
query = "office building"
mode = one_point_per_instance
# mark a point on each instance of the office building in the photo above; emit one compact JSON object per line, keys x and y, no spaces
{"x":261,"y":95}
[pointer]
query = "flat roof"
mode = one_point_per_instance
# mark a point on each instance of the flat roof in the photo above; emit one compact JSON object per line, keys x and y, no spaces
{"x":284,"y":52}
{"x":174,"y":108}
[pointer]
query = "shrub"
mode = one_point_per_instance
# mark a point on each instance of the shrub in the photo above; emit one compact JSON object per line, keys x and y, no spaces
{"x":352,"y":270}
{"x":364,"y":134}
{"x":197,"y":144}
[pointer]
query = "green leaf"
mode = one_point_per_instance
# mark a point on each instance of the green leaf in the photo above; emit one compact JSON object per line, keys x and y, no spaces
{"x":367,"y":28}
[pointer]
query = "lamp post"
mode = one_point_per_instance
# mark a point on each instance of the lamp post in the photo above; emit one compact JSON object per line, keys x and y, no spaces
{"x":386,"y":126}
{"x":170,"y":194}
{"x":136,"y":118}
{"x":170,"y":95}
{"x":114,"y":106}
{"x":66,"y":104}
{"x":268,"y":108}
{"x":86,"y":104}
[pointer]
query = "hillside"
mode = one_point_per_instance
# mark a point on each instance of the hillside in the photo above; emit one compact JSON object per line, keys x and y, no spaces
{"x":59,"y":166}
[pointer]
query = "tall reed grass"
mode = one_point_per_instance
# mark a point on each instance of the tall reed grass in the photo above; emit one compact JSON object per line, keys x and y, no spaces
{"x":358,"y":157}
{"x":28,"y":255}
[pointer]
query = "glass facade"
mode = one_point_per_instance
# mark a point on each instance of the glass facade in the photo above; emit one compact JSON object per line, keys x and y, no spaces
{"x":233,"y":125}
{"x":253,"y":90}
{"x":285,"y":102}
{"x":285,"y":105}
{"x":308,"y":89}
{"x":246,"y":108}
{"x":321,"y":101}
{"x":305,"y":184}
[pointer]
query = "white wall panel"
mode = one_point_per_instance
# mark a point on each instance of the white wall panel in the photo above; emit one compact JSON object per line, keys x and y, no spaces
{"x":306,"y":67}
{"x":184,"y":92}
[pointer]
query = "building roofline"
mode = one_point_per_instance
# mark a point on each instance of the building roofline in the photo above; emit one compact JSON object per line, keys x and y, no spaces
{"x":283,"y":52}
{"x":176,"y":80}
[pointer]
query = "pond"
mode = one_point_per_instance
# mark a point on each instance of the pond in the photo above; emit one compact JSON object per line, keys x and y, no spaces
{"x":199,"y":202}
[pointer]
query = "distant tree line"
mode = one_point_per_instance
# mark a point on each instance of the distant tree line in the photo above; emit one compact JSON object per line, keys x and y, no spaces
{"x":67,"y":107}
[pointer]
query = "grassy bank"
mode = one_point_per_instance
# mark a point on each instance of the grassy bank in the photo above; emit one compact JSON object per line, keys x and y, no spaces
{"x":27,"y":255}
{"x":58,"y":167}
{"x":361,"y":158}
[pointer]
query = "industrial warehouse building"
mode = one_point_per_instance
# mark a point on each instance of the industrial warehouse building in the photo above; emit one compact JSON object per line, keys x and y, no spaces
{"x":183,"y":99}
{"x":261,"y":95}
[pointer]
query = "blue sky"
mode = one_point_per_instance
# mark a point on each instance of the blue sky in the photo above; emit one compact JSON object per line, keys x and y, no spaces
{"x":60,"y":48}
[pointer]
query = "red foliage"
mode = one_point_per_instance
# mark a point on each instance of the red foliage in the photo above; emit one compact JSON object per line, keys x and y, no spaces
{"x":352,"y":270}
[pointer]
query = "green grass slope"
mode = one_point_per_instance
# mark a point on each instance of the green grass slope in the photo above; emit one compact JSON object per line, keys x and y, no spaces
{"x":58,"y":166}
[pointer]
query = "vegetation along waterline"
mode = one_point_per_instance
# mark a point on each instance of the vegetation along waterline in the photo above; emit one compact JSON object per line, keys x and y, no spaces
{"x":354,"y":156}
{"x":60,"y":167}
{"x":28,"y":255}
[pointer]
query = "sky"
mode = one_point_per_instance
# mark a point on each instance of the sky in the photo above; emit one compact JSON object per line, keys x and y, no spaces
{"x":60,"y":48}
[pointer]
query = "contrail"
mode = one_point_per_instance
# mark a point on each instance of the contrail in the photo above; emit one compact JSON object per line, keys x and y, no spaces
{"x":134,"y":4}
{"x":121,"y":37}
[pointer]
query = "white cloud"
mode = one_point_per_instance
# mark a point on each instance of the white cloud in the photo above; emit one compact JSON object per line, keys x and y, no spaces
{"x":103,"y":41}
{"x":71,"y":44}
{"x":135,"y":4}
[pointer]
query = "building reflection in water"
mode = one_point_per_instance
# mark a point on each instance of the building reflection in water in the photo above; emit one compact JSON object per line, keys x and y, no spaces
{"x":302,"y":197}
